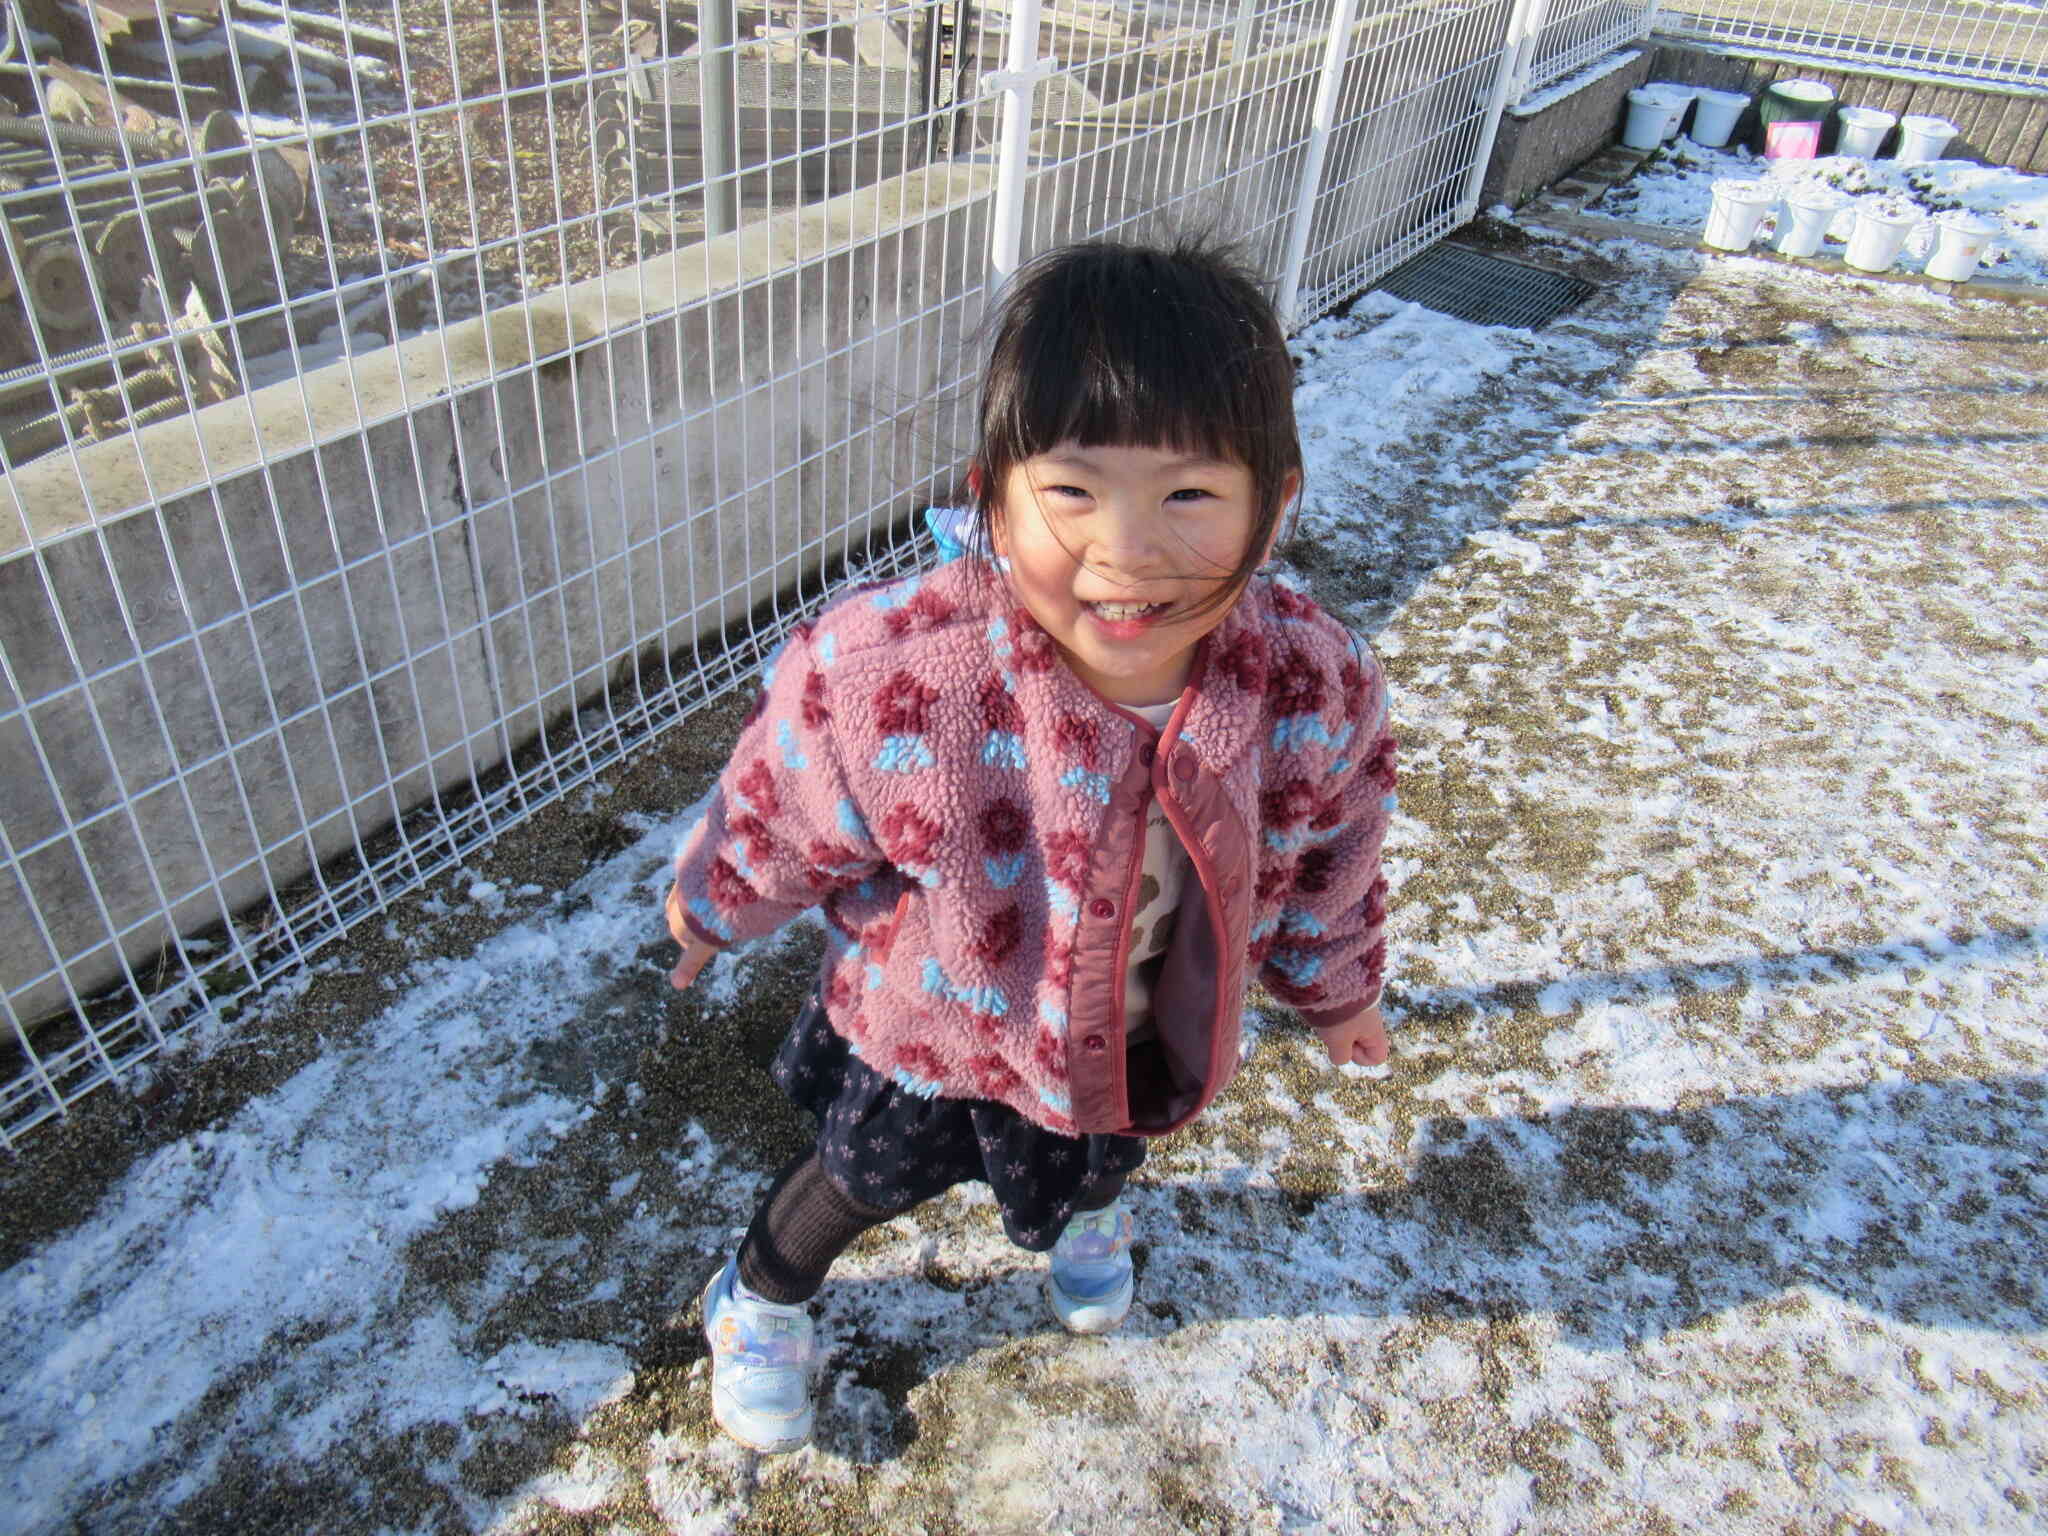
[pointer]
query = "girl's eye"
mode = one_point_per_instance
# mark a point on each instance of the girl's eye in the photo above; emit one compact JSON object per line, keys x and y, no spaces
{"x":1067,"y":490}
{"x":1191,"y":493}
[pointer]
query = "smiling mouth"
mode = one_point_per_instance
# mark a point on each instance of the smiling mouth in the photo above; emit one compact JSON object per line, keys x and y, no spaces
{"x":1119,"y":613}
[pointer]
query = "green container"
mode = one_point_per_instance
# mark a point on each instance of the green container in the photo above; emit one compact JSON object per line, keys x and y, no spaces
{"x":1791,"y":115}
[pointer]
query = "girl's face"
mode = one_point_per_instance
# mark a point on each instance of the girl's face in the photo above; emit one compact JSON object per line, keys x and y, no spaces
{"x":1109,"y":549}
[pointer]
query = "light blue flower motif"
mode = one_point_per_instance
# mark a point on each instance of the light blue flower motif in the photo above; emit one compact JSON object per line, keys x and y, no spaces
{"x":1299,"y":731}
{"x":874,"y":976}
{"x":852,"y":823}
{"x":1307,"y":837}
{"x":785,"y":738}
{"x":707,"y":914}
{"x":828,"y":650}
{"x":988,"y":1001}
{"x":1003,"y":749}
{"x":896,"y":595}
{"x":1389,"y":804}
{"x":1093,"y":785}
{"x":1297,"y":967}
{"x":1260,"y":930}
{"x":910,"y":1082}
{"x":1295,"y":920}
{"x":1056,"y":1101}
{"x":1053,"y":1018}
{"x":1063,"y":902}
{"x":1006,"y":871}
{"x":903,"y":754}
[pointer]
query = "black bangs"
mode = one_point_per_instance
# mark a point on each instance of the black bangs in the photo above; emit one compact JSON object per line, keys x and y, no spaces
{"x":1120,"y":345}
{"x":1128,"y":346}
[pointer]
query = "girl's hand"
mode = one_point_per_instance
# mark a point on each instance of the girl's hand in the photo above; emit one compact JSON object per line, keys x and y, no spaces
{"x":696,"y":953}
{"x":1360,"y":1039}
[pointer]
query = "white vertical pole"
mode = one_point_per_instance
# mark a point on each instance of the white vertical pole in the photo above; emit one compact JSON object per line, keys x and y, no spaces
{"x":717,"y":35}
{"x":1511,"y":53}
{"x":1019,"y":78}
{"x":1525,"y":25}
{"x":1324,"y":120}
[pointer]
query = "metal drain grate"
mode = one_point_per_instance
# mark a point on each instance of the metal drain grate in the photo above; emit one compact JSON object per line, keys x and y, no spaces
{"x":1484,"y":289}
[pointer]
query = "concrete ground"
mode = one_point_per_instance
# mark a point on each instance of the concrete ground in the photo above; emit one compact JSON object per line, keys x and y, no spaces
{"x":1706,"y":1188}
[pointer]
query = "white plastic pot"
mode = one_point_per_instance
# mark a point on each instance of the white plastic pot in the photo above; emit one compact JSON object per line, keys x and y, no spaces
{"x":1863,"y":129}
{"x":1803,"y":221}
{"x":1739,"y":206}
{"x":1714,"y":119}
{"x":1650,"y":109}
{"x":1679,"y":99}
{"x":1879,"y":233}
{"x":1923,"y":138}
{"x":1959,"y":240}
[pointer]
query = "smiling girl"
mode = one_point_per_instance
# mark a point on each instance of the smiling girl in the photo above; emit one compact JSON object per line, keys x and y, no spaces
{"x":1059,"y":800}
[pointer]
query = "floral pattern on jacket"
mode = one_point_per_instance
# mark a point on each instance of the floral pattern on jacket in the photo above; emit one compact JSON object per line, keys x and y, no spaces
{"x":923,"y":765}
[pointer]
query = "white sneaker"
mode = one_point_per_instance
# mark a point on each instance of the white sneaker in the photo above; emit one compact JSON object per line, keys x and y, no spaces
{"x":760,"y":1365}
{"x":1090,"y":1284}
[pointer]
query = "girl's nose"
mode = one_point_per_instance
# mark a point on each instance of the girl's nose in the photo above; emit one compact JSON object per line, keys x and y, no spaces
{"x":1126,"y":541}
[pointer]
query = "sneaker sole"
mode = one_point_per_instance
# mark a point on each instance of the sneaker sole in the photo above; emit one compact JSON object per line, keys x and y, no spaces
{"x":1099,"y":1316}
{"x":776,"y":1437}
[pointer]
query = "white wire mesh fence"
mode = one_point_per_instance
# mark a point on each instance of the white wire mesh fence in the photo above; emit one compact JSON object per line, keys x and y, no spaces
{"x":412,"y":406}
{"x":2002,"y":42}
{"x":1570,"y":34}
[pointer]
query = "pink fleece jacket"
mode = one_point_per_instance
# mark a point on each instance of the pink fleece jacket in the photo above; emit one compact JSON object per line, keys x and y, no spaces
{"x":970,"y":815}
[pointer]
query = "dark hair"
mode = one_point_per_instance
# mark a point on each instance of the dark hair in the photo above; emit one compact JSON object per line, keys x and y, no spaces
{"x":1172,"y":346}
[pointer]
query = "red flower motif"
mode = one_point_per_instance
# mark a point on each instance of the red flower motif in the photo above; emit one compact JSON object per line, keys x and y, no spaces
{"x":1260,"y":948}
{"x":728,"y":889}
{"x":998,"y":938}
{"x":1332,"y":814}
{"x":1284,"y":806}
{"x":756,"y":709}
{"x":1274,"y":881}
{"x":826,"y":858}
{"x":907,"y":834}
{"x":1244,"y":663}
{"x":925,"y":611}
{"x":839,"y":993}
{"x":1077,"y":736}
{"x":747,"y":825}
{"x":1351,"y":679}
{"x":1379,"y":768}
{"x":1036,"y":650}
{"x":1376,"y":903}
{"x":1375,"y":961}
{"x":921,"y":1060}
{"x":901,"y":705}
{"x":758,"y":785}
{"x":1296,"y":687}
{"x":1292,"y":995}
{"x":1003,"y":825}
{"x":1312,"y":874}
{"x":814,"y":711}
{"x":993,"y":1078}
{"x":1290,"y":603}
{"x":1059,"y":960}
{"x":1050,"y":1052}
{"x":1066,"y":858}
{"x":999,"y":712}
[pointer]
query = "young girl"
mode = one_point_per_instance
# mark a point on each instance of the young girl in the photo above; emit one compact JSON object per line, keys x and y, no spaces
{"x":1056,"y":806}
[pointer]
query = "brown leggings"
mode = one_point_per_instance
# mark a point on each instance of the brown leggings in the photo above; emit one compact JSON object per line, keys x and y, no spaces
{"x":804,"y":1223}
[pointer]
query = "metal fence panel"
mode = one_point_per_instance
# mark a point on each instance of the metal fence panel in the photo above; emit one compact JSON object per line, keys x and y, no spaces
{"x":414,"y":407}
{"x":1576,"y":32}
{"x":1989,"y":41}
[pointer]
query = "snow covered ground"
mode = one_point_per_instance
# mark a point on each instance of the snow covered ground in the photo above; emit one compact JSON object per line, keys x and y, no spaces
{"x":1706,"y":1189}
{"x":1675,"y":188}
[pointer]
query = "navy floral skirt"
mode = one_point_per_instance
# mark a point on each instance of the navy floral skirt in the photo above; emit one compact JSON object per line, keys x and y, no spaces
{"x":892,"y":1149}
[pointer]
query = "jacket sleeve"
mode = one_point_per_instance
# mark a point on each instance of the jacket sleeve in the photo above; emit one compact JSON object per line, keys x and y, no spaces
{"x":781,"y":831}
{"x":1329,"y":955}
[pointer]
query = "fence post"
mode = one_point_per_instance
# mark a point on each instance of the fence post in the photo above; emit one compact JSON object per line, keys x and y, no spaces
{"x":1017,"y":80}
{"x":717,"y":33}
{"x":1524,"y":22}
{"x":1320,"y":127}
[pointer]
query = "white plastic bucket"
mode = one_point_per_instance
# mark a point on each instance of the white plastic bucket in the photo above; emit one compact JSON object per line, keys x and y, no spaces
{"x":1803,"y":221}
{"x":1649,"y":110}
{"x":1923,"y":138}
{"x":1739,"y":206}
{"x":1863,"y":129}
{"x":1959,"y":240}
{"x":1679,"y":99}
{"x":1714,"y":119}
{"x":1879,"y":233}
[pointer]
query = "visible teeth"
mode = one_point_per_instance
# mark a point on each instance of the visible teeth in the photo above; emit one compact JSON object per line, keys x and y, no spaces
{"x":1123,"y":610}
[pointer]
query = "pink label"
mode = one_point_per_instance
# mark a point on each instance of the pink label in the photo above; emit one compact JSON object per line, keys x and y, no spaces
{"x":1791,"y":141}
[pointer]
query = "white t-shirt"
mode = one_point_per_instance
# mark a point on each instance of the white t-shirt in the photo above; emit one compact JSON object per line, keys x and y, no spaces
{"x":1160,"y":884}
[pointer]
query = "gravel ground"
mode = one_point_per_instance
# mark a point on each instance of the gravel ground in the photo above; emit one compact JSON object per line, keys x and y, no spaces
{"x":1705,"y":1190}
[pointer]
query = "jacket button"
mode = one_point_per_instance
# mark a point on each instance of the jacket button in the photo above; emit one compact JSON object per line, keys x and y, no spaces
{"x":1146,"y":754}
{"x":1184,"y":764}
{"x":1093,"y":1043}
{"x":1102,"y":907}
